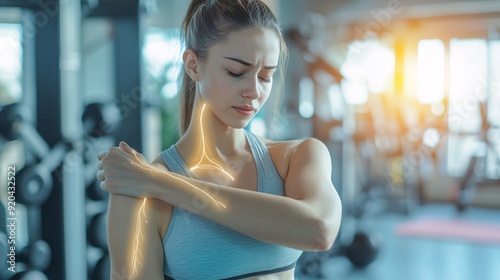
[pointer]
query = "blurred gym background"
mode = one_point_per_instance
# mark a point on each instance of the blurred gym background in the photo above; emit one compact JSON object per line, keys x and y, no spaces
{"x":406,"y":95}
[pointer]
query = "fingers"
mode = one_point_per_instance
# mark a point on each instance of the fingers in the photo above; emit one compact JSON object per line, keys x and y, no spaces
{"x":125,"y":147}
{"x":112,"y":151}
{"x":102,"y":154}
{"x":100,"y":175}
{"x":103,"y":186}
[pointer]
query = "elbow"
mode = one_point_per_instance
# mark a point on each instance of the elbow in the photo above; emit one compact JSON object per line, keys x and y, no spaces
{"x":326,"y":234}
{"x":328,"y":227}
{"x":320,"y":237}
{"x":326,"y":230}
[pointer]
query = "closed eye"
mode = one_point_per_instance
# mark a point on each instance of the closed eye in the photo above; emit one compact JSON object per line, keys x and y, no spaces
{"x":239,"y":75}
{"x":265,"y":80}
{"x":236,"y":75}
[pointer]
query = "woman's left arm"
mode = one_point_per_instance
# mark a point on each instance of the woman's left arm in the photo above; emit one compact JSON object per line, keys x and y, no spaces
{"x":307,"y":218}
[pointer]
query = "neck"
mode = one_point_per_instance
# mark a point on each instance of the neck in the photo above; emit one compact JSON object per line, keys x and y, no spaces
{"x":208,"y":136}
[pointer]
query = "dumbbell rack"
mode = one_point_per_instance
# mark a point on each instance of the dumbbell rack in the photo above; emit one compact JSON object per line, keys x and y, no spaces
{"x":73,"y":212}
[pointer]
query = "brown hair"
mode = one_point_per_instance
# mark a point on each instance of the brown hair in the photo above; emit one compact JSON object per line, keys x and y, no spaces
{"x":208,"y":22}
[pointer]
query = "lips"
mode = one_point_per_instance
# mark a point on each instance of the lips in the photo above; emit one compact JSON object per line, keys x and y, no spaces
{"x":245,"y":110}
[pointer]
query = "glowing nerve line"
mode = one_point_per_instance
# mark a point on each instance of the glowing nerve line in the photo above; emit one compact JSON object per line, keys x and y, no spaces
{"x":203,"y":155}
{"x":138,"y":235}
{"x":136,"y":239}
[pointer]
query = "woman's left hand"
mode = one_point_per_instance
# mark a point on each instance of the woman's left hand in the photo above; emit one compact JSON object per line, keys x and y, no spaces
{"x":122,"y":170}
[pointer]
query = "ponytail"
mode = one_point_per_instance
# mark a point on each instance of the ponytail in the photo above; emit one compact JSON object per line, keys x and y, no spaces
{"x":186,"y":102}
{"x":188,"y":86}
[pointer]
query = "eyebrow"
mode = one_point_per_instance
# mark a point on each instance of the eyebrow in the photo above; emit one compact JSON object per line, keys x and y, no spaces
{"x":250,"y":64}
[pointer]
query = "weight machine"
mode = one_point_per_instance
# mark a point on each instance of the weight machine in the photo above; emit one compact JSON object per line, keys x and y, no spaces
{"x":34,"y":182}
{"x":58,"y":184}
{"x":476,"y":174}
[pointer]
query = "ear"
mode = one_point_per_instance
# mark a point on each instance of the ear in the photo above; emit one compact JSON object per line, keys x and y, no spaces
{"x":191,"y":64}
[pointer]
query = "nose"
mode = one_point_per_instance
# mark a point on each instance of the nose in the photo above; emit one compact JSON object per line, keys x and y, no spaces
{"x":252,"y":90}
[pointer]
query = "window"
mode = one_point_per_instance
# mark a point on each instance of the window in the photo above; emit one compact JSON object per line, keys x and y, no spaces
{"x":430,"y":71}
{"x":368,"y":68}
{"x":163,"y":65}
{"x":468,"y":89}
{"x":11,"y":67}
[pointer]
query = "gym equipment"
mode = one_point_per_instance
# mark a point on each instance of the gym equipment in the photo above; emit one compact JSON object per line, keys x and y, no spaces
{"x":34,"y":182}
{"x":361,"y":251}
{"x":3,"y":218}
{"x":36,"y":255}
{"x":4,"y":250}
{"x":29,"y":275}
{"x":96,"y":231}
{"x":381,"y":174}
{"x":102,"y":269}
{"x":476,"y":174}
{"x":101,"y":120}
{"x":16,"y":123}
{"x":4,"y":246}
{"x":95,"y":192}
{"x":364,"y":247}
{"x":35,"y":185}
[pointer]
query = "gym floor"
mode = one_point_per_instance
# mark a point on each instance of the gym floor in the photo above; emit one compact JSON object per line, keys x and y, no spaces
{"x":411,"y":258}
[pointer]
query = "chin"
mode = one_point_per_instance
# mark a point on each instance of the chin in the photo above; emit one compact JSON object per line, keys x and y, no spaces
{"x":239,"y":124}
{"x":235,"y":122}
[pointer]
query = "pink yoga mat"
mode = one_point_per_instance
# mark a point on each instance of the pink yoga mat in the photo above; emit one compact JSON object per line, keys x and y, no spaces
{"x":451,"y":229}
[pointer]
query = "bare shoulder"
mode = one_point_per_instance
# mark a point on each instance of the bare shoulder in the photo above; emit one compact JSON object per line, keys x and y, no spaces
{"x":291,"y":146}
{"x":281,"y":152}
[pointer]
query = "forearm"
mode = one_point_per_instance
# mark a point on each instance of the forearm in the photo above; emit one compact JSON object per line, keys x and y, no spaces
{"x":266,"y":217}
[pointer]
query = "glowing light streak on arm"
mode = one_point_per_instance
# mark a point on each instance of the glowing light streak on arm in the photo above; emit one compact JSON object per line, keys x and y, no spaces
{"x":137,"y":239}
{"x":177,"y":177}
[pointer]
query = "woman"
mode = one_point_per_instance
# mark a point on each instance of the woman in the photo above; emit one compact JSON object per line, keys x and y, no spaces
{"x":221,"y":203}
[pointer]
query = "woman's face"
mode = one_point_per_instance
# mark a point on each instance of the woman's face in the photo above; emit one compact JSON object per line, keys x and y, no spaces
{"x":236,"y":79}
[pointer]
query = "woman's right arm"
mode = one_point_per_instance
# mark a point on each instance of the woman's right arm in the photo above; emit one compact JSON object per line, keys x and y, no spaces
{"x":137,"y":253}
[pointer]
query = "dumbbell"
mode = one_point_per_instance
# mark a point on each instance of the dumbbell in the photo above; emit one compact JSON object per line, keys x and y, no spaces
{"x":3,"y":218}
{"x":95,"y":192}
{"x":96,"y":231}
{"x":4,"y":246}
{"x":29,"y":262}
{"x":100,"y":120}
{"x":102,"y":269}
{"x":16,"y":122}
{"x":34,"y":181}
{"x":4,"y":250}
{"x":310,"y":262}
{"x":36,"y":255}
{"x":29,"y":275}
{"x":361,"y":251}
